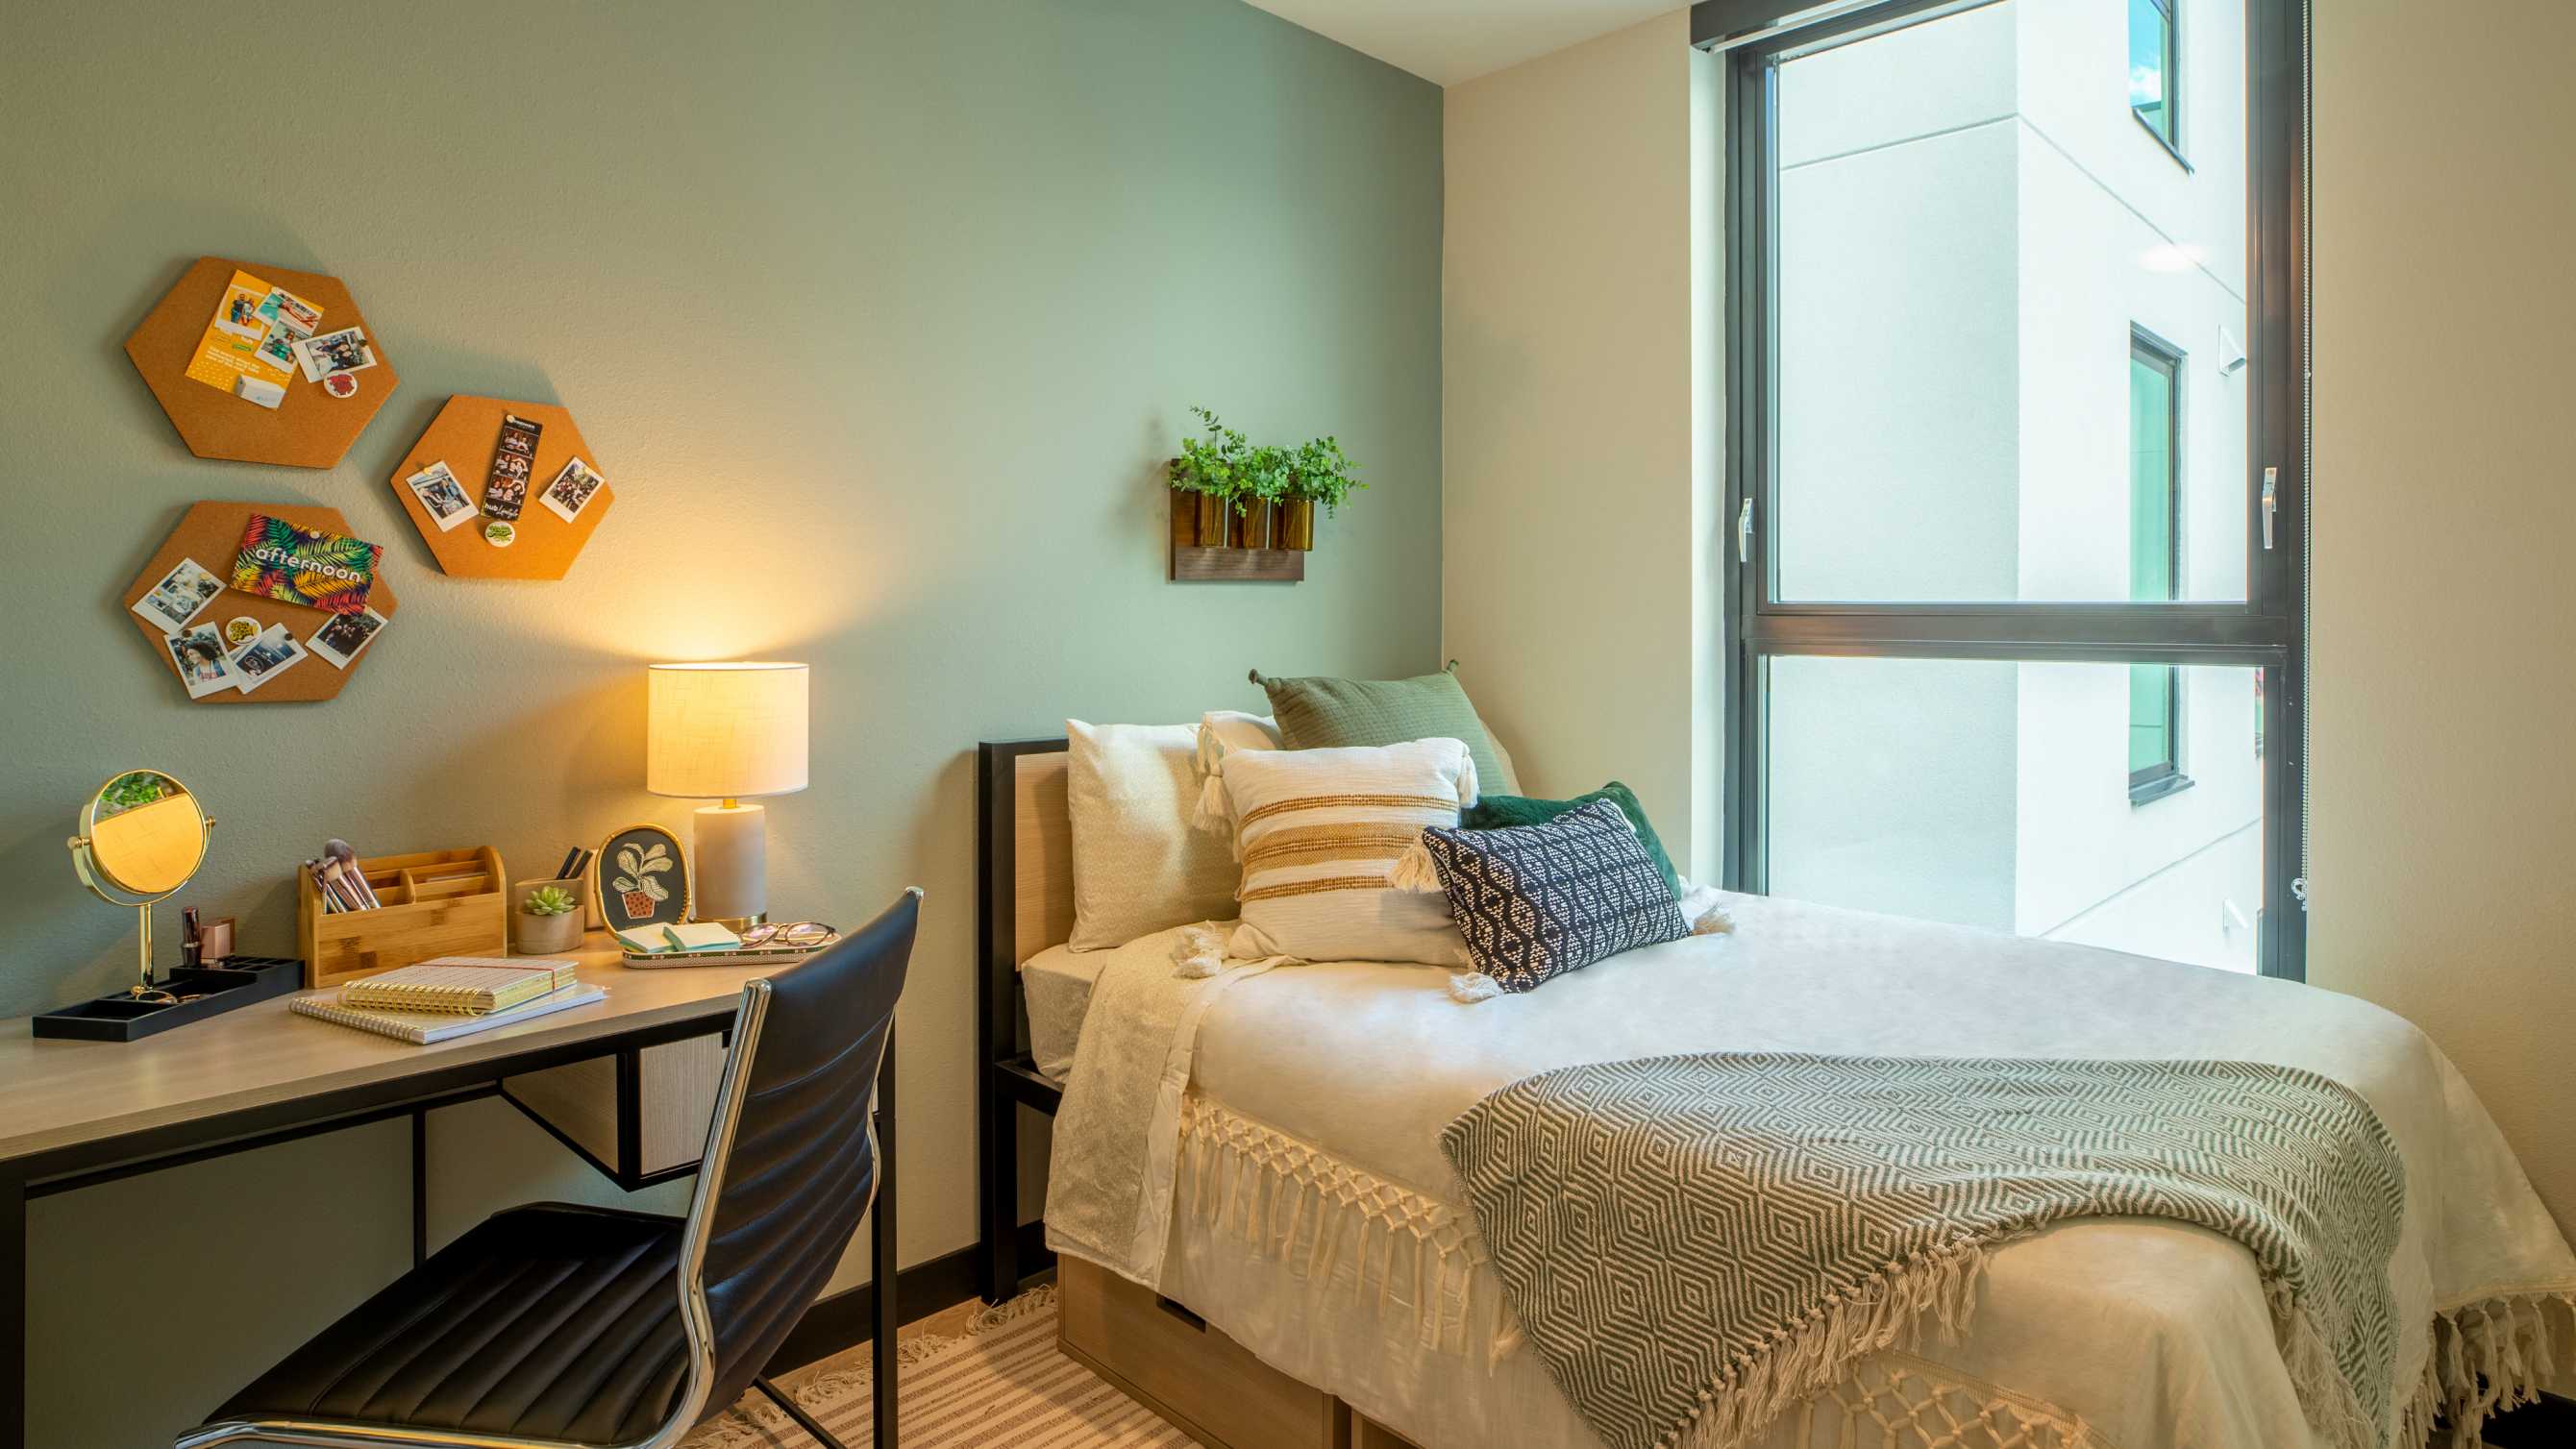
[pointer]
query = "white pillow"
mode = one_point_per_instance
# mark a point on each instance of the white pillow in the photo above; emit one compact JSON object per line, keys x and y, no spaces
{"x":1318,"y":830}
{"x":1138,"y":866}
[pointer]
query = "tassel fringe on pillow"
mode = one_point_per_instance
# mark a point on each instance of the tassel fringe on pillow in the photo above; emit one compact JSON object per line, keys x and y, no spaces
{"x":1414,"y":870}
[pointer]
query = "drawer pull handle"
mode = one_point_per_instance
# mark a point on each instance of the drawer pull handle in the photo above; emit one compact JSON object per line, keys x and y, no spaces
{"x":1183,"y":1314}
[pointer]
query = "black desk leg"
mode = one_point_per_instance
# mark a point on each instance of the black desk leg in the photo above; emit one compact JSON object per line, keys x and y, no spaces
{"x":885,"y":1267}
{"x":13,"y":1313}
{"x":419,"y":1186}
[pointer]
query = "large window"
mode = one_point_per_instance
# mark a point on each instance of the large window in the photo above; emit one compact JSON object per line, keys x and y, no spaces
{"x":2016,"y":455}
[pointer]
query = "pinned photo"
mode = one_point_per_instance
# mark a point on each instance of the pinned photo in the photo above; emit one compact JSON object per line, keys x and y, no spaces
{"x":440,"y":493}
{"x":571,"y":491}
{"x":505,"y":489}
{"x":203,"y":664}
{"x":290,"y":312}
{"x":181,"y":594}
{"x":277,"y":349}
{"x":331,"y":353}
{"x":343,"y":635}
{"x":239,"y":313}
{"x":264,"y":658}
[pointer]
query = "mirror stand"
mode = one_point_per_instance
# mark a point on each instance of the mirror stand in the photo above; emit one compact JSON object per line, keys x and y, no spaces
{"x":143,"y":989}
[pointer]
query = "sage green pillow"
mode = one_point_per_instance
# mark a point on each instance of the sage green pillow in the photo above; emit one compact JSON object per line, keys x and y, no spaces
{"x":1501,"y":812}
{"x":1324,"y":714}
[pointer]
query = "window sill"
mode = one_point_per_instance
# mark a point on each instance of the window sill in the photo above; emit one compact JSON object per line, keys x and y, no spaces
{"x":2158,"y":788}
{"x":2159,"y":138}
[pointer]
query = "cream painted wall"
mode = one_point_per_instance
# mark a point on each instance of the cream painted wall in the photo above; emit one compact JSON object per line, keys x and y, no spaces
{"x":879,"y":315}
{"x":1581,"y":459}
{"x":2443,"y":782}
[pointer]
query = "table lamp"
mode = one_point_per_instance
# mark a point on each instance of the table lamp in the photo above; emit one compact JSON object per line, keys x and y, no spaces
{"x":726,"y":732}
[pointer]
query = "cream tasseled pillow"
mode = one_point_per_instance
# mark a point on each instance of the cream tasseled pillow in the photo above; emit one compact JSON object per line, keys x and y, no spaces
{"x":1138,"y":866}
{"x":1317,"y":831}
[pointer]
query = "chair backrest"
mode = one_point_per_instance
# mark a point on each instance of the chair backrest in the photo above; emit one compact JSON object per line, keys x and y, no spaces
{"x":791,"y":1161}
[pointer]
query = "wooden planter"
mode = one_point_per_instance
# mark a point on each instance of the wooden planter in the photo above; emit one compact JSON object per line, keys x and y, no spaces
{"x":1211,"y":542}
{"x":1297,"y":525}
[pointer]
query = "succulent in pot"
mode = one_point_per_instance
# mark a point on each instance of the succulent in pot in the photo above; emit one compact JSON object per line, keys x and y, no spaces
{"x":548,"y":921}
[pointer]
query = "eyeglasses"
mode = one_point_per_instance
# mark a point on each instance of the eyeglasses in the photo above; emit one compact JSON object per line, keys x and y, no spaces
{"x":788,"y":933}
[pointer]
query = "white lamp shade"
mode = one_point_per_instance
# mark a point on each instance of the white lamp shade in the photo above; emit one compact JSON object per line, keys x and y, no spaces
{"x":725,"y":730}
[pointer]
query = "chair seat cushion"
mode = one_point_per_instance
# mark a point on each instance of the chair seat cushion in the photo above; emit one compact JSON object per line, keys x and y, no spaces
{"x":554,"y":1322}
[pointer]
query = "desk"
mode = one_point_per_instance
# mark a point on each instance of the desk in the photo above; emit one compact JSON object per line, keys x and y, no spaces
{"x":82,"y":1112}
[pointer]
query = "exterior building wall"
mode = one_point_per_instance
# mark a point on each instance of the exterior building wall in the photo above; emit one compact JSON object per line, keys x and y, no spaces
{"x":1971,"y":223}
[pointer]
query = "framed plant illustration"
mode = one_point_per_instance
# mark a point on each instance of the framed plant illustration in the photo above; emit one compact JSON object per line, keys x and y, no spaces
{"x":641,"y":879}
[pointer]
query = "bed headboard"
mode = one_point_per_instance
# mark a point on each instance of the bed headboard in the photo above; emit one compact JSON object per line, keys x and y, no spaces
{"x":1023,"y":876}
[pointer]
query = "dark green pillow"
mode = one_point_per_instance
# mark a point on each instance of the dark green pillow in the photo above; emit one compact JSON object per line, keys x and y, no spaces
{"x":1501,"y":812}
{"x":1323,"y":714}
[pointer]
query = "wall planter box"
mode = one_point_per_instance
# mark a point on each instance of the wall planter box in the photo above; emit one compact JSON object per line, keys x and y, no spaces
{"x":1212,"y":543}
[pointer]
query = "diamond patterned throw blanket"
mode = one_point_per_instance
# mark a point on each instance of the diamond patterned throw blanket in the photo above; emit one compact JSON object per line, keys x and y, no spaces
{"x":1696,"y":1243}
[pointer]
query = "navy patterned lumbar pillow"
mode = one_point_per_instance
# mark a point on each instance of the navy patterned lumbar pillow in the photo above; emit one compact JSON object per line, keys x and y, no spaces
{"x":1537,"y":901}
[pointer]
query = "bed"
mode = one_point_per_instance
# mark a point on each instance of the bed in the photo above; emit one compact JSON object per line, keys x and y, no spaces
{"x":1311,"y":1247}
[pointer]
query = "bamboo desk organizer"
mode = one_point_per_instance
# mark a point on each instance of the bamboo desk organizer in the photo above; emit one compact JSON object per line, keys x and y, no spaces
{"x":437,"y":903}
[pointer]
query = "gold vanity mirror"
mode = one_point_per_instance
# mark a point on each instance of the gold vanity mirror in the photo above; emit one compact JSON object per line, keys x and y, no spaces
{"x":142,"y":837}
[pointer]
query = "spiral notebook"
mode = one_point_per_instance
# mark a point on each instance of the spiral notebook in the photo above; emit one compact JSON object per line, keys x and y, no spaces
{"x":467,"y":985}
{"x":420,"y":1028}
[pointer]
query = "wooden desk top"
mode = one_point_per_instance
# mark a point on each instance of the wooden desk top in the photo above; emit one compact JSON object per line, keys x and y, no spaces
{"x":65,"y":1093}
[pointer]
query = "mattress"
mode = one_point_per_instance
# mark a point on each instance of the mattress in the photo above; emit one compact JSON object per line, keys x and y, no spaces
{"x":1314,"y":1220}
{"x":1057,"y":984}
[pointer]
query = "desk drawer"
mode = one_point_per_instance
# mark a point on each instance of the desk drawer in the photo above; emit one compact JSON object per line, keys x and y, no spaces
{"x":639,"y":1115}
{"x":1162,"y":1356}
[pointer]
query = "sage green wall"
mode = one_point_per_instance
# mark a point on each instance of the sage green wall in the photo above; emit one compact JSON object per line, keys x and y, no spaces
{"x":878,"y":315}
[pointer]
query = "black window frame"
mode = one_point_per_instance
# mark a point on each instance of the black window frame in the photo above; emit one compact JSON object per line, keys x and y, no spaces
{"x":2166,"y":777}
{"x":2266,"y":632}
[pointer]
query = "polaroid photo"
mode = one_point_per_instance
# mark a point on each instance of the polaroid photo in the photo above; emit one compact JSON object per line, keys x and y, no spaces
{"x":440,"y":493}
{"x":203,"y":664}
{"x":239,"y":313}
{"x":277,"y":349}
{"x":271,"y":654}
{"x":570,"y":493}
{"x":343,"y":635}
{"x":329,"y":354}
{"x":180,"y":596}
{"x":291,"y":313}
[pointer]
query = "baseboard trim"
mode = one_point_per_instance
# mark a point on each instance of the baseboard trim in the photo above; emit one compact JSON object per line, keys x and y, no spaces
{"x":847,"y":1318}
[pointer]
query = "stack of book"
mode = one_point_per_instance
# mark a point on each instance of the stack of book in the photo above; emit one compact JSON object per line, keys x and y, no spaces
{"x":452,"y":996}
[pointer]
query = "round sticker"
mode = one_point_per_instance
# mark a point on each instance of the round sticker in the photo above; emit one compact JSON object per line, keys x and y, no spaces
{"x":499,"y":534}
{"x":340,"y":384}
{"x":240,"y":630}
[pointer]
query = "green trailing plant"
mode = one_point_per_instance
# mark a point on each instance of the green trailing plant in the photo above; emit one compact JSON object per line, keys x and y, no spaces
{"x":548,"y":901}
{"x":1225,"y":465}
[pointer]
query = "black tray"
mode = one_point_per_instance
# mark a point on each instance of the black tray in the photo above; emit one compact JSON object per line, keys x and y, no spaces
{"x":215,"y":990}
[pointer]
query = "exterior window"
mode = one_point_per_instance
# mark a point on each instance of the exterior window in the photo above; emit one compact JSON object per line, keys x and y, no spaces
{"x":2154,"y":79}
{"x":2006,"y":560}
{"x":2155,"y":563}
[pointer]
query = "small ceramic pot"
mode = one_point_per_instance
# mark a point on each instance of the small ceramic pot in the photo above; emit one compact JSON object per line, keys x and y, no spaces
{"x":544,"y":935}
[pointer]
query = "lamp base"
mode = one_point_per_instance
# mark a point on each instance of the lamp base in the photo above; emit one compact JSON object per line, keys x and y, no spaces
{"x":731,"y":886}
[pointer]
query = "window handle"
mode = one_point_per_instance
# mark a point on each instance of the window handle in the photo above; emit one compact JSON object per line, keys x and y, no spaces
{"x":1744,"y":533}
{"x":2271,"y":503}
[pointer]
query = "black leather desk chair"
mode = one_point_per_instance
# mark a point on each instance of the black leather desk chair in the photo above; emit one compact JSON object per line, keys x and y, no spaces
{"x":555,"y":1326}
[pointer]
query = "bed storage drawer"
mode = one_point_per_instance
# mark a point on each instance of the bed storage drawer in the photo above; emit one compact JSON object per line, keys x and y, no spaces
{"x":1161,"y":1355}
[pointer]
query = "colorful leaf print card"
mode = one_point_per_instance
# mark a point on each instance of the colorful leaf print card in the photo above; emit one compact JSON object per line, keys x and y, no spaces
{"x":327,"y":571}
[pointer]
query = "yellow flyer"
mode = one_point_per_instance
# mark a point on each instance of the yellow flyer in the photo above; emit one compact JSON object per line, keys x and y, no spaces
{"x":253,"y":335}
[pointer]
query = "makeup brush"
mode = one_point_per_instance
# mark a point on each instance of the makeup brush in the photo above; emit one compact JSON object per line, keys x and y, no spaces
{"x":339,"y":850}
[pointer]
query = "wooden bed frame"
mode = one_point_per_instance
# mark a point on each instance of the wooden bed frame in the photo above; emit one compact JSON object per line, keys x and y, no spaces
{"x":1154,"y":1350}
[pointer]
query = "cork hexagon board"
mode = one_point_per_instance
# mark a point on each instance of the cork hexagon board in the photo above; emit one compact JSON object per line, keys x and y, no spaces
{"x":310,"y":428}
{"x":467,"y":436}
{"x":211,"y":535}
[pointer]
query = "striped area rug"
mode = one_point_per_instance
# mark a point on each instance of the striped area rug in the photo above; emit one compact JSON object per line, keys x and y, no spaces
{"x":1000,"y":1382}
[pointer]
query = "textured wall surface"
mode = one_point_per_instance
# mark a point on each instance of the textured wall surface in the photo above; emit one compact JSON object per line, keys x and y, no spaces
{"x":879,"y":316}
{"x":2443,"y":788}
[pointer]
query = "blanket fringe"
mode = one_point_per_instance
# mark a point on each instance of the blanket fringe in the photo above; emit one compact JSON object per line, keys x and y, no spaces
{"x":2488,"y":1355}
{"x":1297,"y":1206}
{"x":1199,"y":953}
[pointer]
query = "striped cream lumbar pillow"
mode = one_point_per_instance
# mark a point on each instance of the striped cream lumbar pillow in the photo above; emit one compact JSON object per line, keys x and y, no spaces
{"x":1318,"y":830}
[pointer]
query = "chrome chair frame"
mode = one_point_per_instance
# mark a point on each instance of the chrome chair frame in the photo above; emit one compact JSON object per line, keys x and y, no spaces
{"x":696,"y":1327}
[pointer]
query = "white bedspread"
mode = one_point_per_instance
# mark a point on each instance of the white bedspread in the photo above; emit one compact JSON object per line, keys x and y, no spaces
{"x":2150,"y":1333}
